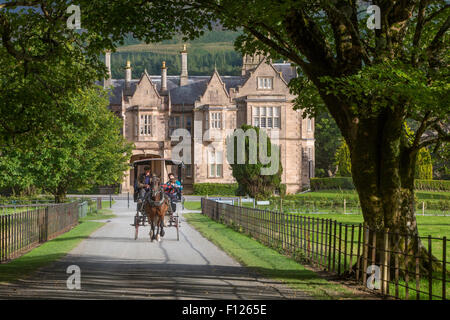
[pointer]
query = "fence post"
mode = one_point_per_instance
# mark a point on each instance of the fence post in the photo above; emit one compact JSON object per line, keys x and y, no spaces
{"x":423,"y":208}
{"x":384,"y":276}
{"x":406,"y":261}
{"x":99,"y":203}
{"x":430,"y":270}
{"x":334,"y":246}
{"x":46,"y":224}
{"x":330,"y":231}
{"x":417,"y":268}
{"x":351,"y":249}
{"x":365,"y":252}
{"x":444,"y":266}
{"x":344,"y":206}
{"x":358,"y":254}
{"x":339,"y":248}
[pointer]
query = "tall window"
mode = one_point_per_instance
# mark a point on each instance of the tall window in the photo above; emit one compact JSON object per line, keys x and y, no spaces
{"x":215,"y":164}
{"x":174,"y":123}
{"x":189,"y":124}
{"x":145,"y":125}
{"x":309,"y":124}
{"x":276,"y":117}
{"x":265,"y":83}
{"x":266,"y":117}
{"x":216,"y":120}
{"x":188,"y":170}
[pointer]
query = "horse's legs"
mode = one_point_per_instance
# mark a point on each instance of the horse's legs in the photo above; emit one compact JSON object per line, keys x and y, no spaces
{"x":158,"y":223}
{"x":161,"y":223}
{"x":152,"y":230}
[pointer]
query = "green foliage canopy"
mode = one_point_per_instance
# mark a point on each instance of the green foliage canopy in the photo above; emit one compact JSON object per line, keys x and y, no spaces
{"x":84,"y":147}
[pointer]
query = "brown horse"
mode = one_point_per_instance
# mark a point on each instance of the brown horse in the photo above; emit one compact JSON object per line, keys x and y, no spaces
{"x":155,"y":207}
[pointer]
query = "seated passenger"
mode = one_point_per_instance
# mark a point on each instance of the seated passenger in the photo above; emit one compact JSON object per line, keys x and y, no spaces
{"x":173,"y":190}
{"x":143,"y":185}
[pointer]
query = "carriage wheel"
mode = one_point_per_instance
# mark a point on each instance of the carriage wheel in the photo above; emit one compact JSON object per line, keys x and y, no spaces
{"x":136,"y":227}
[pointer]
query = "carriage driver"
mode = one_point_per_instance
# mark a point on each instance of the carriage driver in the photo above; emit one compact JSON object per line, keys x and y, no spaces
{"x":144,"y":185}
{"x":173,"y":189}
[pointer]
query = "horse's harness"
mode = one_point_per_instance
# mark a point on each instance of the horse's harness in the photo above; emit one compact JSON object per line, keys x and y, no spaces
{"x":154,"y":203}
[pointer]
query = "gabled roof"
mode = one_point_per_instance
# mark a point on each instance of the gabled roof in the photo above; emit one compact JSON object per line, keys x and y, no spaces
{"x":287,"y":71}
{"x":189,"y":93}
{"x":195,"y":88}
{"x":215,"y":73}
{"x":146,"y":75}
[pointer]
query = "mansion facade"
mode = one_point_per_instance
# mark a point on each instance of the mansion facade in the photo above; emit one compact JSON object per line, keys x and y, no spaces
{"x":209,"y":107}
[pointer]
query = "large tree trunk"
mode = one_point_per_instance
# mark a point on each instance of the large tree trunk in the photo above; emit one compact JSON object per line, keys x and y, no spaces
{"x":60,"y":194}
{"x":383,"y":173}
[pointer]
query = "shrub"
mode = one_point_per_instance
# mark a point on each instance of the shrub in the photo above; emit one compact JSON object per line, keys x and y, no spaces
{"x":250,"y":174}
{"x":435,"y":185}
{"x":342,"y":160}
{"x":344,"y":183}
{"x":282,"y":189}
{"x":424,"y":166}
{"x":226,"y":189}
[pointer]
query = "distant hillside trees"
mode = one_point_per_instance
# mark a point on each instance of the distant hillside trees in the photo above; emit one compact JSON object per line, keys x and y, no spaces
{"x":200,"y":62}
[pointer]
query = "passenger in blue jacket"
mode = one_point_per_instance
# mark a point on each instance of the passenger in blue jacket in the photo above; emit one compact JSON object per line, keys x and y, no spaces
{"x":173,"y":190}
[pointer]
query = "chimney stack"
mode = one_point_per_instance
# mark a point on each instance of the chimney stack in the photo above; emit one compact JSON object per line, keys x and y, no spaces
{"x":184,"y":68}
{"x":128,"y":75}
{"x":163,"y":77}
{"x":107,"y":81}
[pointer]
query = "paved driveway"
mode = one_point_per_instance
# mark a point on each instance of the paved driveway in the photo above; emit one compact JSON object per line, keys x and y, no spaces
{"x":115,"y":266}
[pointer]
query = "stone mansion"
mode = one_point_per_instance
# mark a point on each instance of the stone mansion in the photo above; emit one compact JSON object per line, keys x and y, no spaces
{"x":154,"y":105}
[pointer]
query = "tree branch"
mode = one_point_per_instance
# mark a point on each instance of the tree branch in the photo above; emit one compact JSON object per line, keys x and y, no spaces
{"x":437,"y":44}
{"x":272,"y":44}
{"x":422,"y":128}
{"x":436,"y":13}
{"x":442,"y":135}
{"x":15,"y":4}
{"x":419,"y":27}
{"x":357,"y":44}
{"x":309,"y":40}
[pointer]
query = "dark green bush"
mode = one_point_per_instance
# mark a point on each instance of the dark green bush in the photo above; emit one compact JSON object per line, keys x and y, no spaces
{"x":346,"y":183}
{"x":283,"y":189}
{"x":343,"y":183}
{"x":434,"y":185}
{"x":225,"y":189}
{"x":26,"y":199}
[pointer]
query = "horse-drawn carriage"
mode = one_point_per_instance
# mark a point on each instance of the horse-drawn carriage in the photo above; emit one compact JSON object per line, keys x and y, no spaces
{"x":155,"y":199}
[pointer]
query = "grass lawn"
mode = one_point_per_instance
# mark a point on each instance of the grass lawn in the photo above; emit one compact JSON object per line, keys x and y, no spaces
{"x":421,"y":195}
{"x":192,"y":205}
{"x":266,"y":261}
{"x":105,"y":203}
{"x":435,"y":226}
{"x":47,"y":253}
{"x":99,"y":215}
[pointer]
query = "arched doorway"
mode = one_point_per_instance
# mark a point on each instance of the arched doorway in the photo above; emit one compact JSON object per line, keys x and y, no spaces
{"x":157,"y":167}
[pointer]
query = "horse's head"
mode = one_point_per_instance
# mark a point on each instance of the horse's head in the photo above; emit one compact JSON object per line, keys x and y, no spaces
{"x":155,"y":185}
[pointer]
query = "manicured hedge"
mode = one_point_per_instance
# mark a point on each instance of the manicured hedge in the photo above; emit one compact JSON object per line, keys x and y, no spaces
{"x":225,"y":189}
{"x":343,"y":183}
{"x":25,"y":199}
{"x":435,"y":185}
{"x":346,"y":183}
